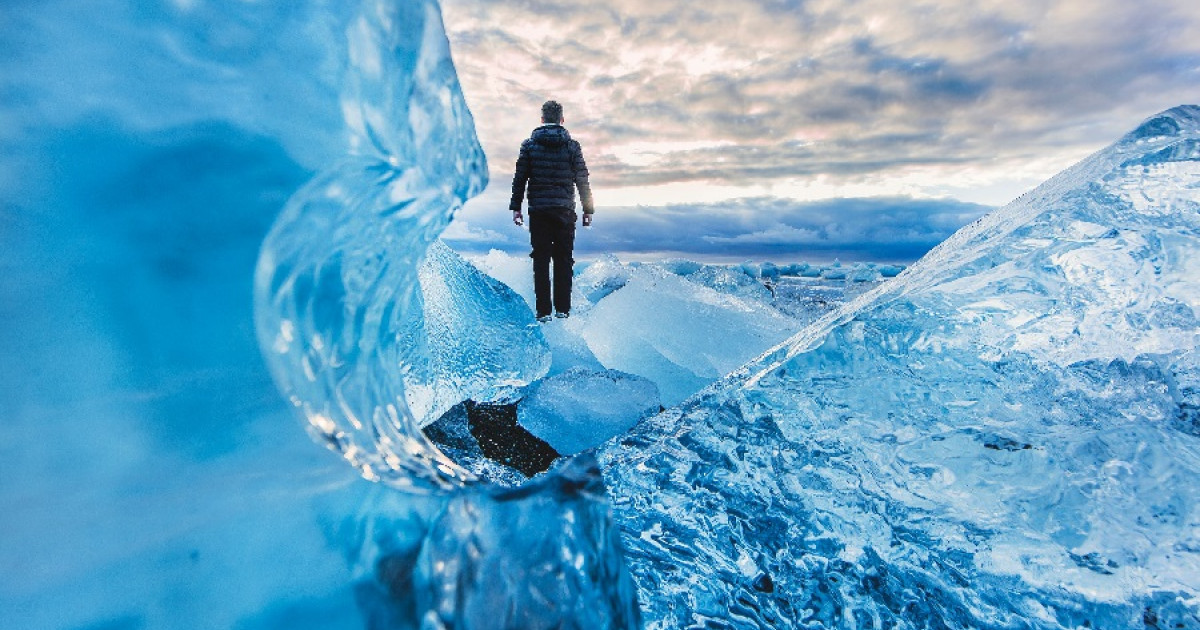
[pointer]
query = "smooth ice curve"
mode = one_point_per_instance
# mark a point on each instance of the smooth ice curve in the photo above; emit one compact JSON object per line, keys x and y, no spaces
{"x":338,"y":308}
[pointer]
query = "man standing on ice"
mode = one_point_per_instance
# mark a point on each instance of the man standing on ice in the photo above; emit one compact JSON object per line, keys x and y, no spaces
{"x":552,"y":165}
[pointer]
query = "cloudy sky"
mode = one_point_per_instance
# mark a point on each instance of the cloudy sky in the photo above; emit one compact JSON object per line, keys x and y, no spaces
{"x":794,"y":130}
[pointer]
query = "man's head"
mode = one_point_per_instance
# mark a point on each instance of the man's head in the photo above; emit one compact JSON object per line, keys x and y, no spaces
{"x":552,"y":112}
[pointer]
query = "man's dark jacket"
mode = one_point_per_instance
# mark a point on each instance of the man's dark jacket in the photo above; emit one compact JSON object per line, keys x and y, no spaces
{"x":552,"y":164}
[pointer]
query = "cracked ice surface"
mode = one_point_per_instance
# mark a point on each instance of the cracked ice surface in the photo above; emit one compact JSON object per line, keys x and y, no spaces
{"x":1005,"y":436}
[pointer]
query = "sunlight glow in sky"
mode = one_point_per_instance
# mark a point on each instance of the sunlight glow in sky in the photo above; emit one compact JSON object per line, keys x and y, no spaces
{"x":759,"y":103}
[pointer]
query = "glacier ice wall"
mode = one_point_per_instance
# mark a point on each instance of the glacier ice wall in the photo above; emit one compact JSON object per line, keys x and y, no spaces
{"x":150,"y":471}
{"x":145,"y":149}
{"x":1005,"y":436}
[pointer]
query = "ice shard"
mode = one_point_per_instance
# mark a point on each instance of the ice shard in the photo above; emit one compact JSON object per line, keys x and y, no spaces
{"x":680,"y":334}
{"x":479,"y":337}
{"x":337,"y":281}
{"x":1005,"y":436}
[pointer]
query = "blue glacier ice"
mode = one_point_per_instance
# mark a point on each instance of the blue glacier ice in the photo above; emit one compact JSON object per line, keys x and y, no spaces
{"x":337,"y":288}
{"x":1005,"y":436}
{"x":481,"y":337}
{"x":600,"y":278}
{"x":661,"y":326}
{"x":204,"y":205}
{"x":152,"y":157}
{"x":658,"y":320}
{"x":581,"y":409}
{"x":149,"y":476}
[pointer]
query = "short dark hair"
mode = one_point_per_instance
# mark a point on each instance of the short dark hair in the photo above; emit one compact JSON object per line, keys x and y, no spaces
{"x":551,"y":112}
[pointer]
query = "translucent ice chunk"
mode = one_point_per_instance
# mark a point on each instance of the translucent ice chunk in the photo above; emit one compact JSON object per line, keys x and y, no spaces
{"x":337,"y":306}
{"x":679,"y":334}
{"x":580,"y":408}
{"x":514,"y":271}
{"x":731,"y":281}
{"x":480,"y":336}
{"x":541,"y":557}
{"x":1003,"y":436}
{"x":602,"y":277}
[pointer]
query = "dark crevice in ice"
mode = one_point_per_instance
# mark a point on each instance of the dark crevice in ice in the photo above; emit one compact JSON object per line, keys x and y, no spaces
{"x":471,"y":431}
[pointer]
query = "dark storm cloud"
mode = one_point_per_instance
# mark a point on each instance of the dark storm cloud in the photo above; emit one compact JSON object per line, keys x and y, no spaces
{"x":892,"y":230}
{"x":921,"y":78}
{"x":875,"y":229}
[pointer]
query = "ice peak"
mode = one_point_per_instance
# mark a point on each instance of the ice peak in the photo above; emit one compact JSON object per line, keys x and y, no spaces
{"x":1169,"y":122}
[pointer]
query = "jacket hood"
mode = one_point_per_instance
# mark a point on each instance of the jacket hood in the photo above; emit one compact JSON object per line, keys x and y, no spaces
{"x":551,"y":135}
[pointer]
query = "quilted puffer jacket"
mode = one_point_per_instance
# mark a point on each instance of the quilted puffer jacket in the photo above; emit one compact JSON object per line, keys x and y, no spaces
{"x":551,"y":164}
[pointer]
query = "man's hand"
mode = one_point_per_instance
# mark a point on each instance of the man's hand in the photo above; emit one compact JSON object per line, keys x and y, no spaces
{"x":587,"y":220}
{"x":518,"y":219}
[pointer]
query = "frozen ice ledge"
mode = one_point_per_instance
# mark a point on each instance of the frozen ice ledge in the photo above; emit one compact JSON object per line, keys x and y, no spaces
{"x":1006,"y":436}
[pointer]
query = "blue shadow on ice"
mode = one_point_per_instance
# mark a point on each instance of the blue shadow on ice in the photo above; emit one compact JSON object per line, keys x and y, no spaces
{"x":154,"y":476}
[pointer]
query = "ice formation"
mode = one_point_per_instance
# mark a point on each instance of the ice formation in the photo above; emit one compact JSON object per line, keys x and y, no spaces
{"x":151,"y":475}
{"x":581,"y":409}
{"x":367,"y":356}
{"x":541,"y":557}
{"x":1005,"y":436}
{"x":480,"y":337}
{"x":601,"y":278}
{"x":337,"y":305}
{"x":662,"y":326}
{"x":658,"y":320}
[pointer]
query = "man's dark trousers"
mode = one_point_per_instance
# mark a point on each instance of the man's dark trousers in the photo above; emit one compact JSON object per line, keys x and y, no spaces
{"x":552,"y":234}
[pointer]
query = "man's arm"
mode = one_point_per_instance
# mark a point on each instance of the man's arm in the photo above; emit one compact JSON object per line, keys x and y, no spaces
{"x":579,"y":166}
{"x":520,"y":178}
